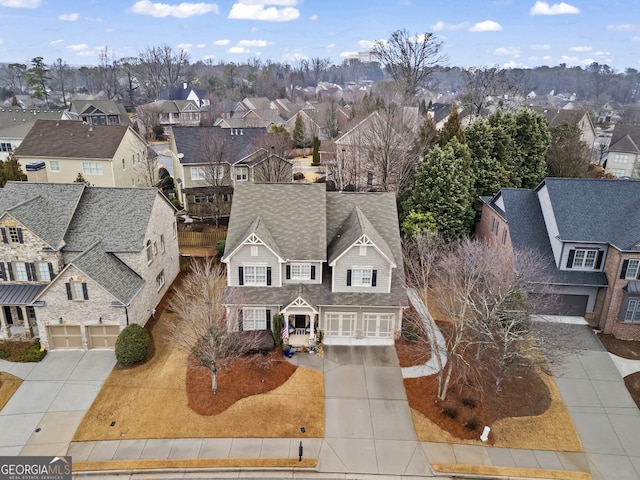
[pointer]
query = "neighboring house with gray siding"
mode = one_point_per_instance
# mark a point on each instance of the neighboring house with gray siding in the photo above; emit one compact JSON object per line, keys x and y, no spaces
{"x":590,"y":231}
{"x":329,"y":262}
{"x":623,"y":159}
{"x":78,"y":264}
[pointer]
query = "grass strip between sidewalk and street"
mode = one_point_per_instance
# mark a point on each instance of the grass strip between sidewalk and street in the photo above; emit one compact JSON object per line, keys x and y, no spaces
{"x":509,"y":472}
{"x":151,"y":464}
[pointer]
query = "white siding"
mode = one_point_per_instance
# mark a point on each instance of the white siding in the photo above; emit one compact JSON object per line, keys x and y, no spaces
{"x":359,"y":327}
{"x":351,"y":260}
{"x":317,"y":265}
{"x":242,"y":257}
{"x":567,"y":247}
{"x":550,"y":222}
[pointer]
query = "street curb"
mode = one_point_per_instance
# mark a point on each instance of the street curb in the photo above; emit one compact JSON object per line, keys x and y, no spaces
{"x":490,"y":471}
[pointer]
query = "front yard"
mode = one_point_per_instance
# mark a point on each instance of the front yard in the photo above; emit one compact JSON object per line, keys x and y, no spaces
{"x":162,"y":398}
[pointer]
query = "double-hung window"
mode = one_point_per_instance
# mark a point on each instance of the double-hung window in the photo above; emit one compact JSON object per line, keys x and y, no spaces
{"x":632,"y":269}
{"x":254,"y":319}
{"x":218,"y":172}
{"x":21,"y":271}
{"x":44,"y":272}
{"x":197,"y":173}
{"x":585,"y":258}
{"x":255,"y":275}
{"x":633,"y":311}
{"x":241,"y":174}
{"x":361,"y":277}
{"x":300,"y":272}
{"x":92,"y":168}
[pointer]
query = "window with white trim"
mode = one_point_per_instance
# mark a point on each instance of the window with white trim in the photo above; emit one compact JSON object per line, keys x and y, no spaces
{"x":20,"y":270}
{"x":218,"y":171}
{"x":618,"y":172}
{"x":339,"y":324}
{"x":620,"y":158}
{"x":149,"y":252}
{"x":44,"y":274}
{"x":585,"y":258}
{"x":160,"y":280}
{"x":13,"y":234}
{"x":504,"y":236}
{"x":633,"y":311}
{"x":254,"y":319}
{"x":495,"y":225}
{"x":54,"y":165}
{"x":92,"y":168}
{"x":197,"y":173}
{"x":242,"y":174}
{"x":632,"y":269}
{"x":5,"y":147}
{"x":378,"y":325}
{"x":77,"y":290}
{"x":361,"y":277}
{"x":300,"y":271}
{"x":255,"y":275}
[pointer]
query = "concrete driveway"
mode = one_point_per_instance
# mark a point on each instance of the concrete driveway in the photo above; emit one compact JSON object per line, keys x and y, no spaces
{"x":44,"y":413}
{"x":368,"y":424}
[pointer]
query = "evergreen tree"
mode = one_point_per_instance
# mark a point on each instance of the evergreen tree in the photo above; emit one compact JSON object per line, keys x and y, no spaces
{"x":299,"y":137}
{"x":316,"y":152}
{"x":532,"y":138}
{"x":568,"y":155}
{"x":489,"y":172}
{"x":452,"y":128}
{"x":37,"y":79}
{"x":444,"y":189}
{"x":10,"y":170}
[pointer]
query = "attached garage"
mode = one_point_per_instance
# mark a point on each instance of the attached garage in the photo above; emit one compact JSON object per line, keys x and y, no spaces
{"x":565,"y":304}
{"x":359,"y":327}
{"x":102,"y":336}
{"x":64,"y":336}
{"x":339,"y":324}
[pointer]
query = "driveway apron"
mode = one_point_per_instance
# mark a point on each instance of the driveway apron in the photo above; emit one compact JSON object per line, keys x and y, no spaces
{"x":368,"y":423}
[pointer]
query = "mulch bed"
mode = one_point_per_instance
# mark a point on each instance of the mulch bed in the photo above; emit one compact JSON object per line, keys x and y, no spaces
{"x":16,"y":349}
{"x":467,"y":409}
{"x":622,"y":348}
{"x":245,"y":377}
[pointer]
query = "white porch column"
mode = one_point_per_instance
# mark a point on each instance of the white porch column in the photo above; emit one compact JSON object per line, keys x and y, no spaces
{"x":5,"y":326}
{"x":286,"y":326}
{"x":312,"y":322}
{"x":25,"y":318}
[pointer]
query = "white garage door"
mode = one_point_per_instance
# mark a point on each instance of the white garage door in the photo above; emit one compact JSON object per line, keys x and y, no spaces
{"x":103,"y":336}
{"x":339,"y":324}
{"x":64,"y":336}
{"x":378,"y":325}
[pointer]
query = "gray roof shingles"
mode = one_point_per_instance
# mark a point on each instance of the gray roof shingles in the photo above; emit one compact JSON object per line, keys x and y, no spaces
{"x":190,"y":141}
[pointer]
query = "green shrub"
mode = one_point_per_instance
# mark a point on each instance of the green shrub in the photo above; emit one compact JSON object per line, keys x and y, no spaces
{"x":220,"y":245}
{"x":276,"y":327}
{"x":4,"y":351}
{"x":298,"y":176}
{"x":34,"y":353}
{"x":132,"y":345}
{"x":410,"y":331}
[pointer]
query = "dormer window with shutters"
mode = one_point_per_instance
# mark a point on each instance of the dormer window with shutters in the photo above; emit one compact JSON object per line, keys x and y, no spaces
{"x":12,"y":235}
{"x":585,"y":259}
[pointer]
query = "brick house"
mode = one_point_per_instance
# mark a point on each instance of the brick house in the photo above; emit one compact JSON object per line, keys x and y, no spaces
{"x":78,"y":264}
{"x":590,"y":230}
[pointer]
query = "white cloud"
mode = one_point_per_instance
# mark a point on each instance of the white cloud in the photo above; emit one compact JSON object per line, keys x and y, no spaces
{"x":331,"y":45}
{"x":636,"y":38}
{"x":568,"y":59}
{"x":580,"y":49}
{"x":486,"y":26}
{"x":562,"y":8}
{"x":625,"y":27}
{"x":544,"y":46}
{"x":256,"y":10}
{"x":253,"y":43}
{"x":184,"y":46}
{"x":93,"y":19}
{"x":313,"y":18}
{"x":78,"y":47}
{"x":56,"y":42}
{"x":182,"y":10}
{"x":292,"y":57}
{"x":348,"y":54}
{"x":440,"y":26}
{"x":366,"y":44}
{"x":201,"y":45}
{"x":20,"y":3}
{"x":68,"y":17}
{"x":221,"y":42}
{"x":514,"y":51}
{"x":238,"y":50}
{"x":546,"y":58}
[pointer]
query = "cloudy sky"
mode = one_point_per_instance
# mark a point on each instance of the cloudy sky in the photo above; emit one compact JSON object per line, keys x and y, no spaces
{"x":510,"y":33}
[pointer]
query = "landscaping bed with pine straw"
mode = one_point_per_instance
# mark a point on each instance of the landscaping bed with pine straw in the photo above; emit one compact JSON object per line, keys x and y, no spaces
{"x":527,"y":413}
{"x":8,"y":386}
{"x":165,"y":397}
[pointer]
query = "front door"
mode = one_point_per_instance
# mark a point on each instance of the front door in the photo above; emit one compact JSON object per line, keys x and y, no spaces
{"x":7,"y":315}
{"x":300,"y":321}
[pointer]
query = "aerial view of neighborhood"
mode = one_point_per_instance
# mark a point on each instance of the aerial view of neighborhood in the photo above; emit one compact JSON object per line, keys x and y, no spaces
{"x":381,"y":239}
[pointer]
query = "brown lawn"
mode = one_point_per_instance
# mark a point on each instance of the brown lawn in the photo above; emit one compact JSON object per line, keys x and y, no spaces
{"x":8,"y":386}
{"x":164,"y":398}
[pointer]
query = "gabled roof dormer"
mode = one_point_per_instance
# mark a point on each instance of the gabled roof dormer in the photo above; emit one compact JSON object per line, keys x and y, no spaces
{"x":357,"y":231}
{"x":256,"y":234}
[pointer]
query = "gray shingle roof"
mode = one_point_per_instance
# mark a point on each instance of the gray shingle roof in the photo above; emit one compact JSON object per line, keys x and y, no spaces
{"x":295,"y":215}
{"x":625,"y":138}
{"x":69,"y":139}
{"x":116,"y":217}
{"x":190,"y":141}
{"x":16,"y":123}
{"x":597,"y":210}
{"x":109,"y":272}
{"x":44,"y":208}
{"x":528,"y":231}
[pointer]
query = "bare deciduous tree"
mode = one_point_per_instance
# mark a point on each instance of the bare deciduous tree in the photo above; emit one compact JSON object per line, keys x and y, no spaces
{"x":14,"y":76}
{"x":214,"y":151}
{"x":60,"y":73}
{"x":202,"y":329}
{"x":272,"y":169}
{"x":409,"y":59}
{"x":162,"y":67}
{"x":148,"y":117}
{"x":484,"y":87}
{"x":108,"y":70}
{"x":147,"y":167}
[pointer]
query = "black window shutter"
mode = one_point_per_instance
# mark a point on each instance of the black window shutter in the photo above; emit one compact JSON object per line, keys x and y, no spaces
{"x":572,"y":253}
{"x":313,"y":272}
{"x":374,"y":278}
{"x":240,"y":276}
{"x":31,"y":271}
{"x":240,"y":325}
{"x":10,"y":268}
{"x":4,"y":234}
{"x":3,"y":274}
{"x":69,"y":296}
{"x":268,"y":319}
{"x":623,"y":272}
{"x":50,"y":271}
{"x":599,"y":259}
{"x":85,"y":292}
{"x":20,"y":239}
{"x":268,"y":275}
{"x":288,"y":272}
{"x":349,"y":278}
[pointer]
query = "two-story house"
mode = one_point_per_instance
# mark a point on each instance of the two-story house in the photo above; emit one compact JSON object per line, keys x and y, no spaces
{"x":623,"y":159}
{"x":590,"y":232}
{"x":78,"y":263}
{"x":329,"y":262}
{"x":208,"y":162}
{"x":97,"y":112}
{"x":105,"y":155}
{"x":15,"y":123}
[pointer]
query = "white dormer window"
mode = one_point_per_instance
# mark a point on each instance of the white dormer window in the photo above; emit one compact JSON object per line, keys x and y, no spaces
{"x":242,"y":174}
{"x":300,"y":272}
{"x":585,"y":258}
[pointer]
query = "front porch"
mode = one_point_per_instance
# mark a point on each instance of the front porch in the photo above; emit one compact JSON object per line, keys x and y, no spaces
{"x":17,"y":314}
{"x":300,"y":324}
